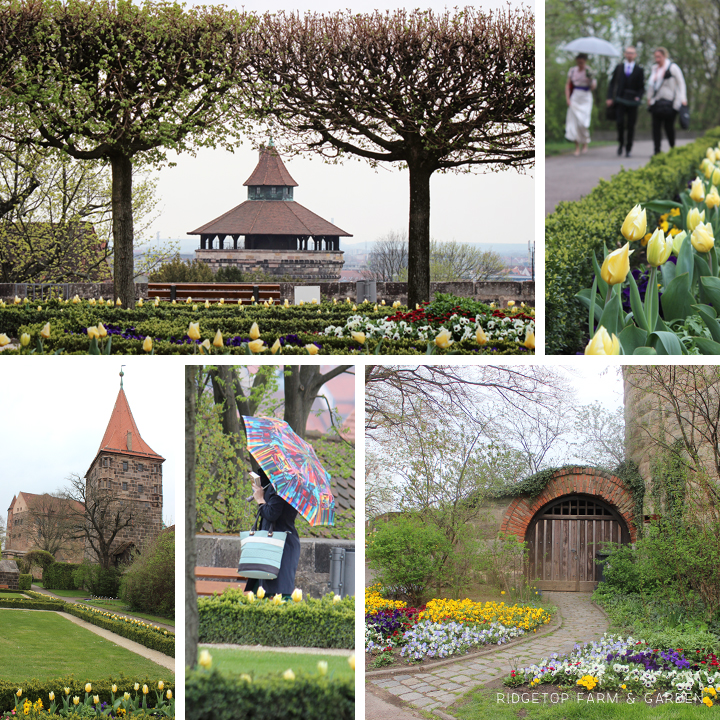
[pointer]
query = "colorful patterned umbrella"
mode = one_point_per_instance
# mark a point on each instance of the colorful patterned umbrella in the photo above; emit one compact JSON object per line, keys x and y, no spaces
{"x":293,"y":468}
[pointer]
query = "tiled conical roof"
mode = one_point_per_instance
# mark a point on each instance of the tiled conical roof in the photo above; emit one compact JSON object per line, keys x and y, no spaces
{"x":270,"y":170}
{"x":122,"y":434}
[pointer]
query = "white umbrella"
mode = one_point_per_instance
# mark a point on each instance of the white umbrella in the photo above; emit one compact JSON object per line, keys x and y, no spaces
{"x":591,"y":46}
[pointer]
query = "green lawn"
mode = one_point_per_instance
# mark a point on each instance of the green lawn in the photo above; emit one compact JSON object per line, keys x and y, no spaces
{"x":45,"y":645}
{"x":483,"y":705}
{"x":257,"y":663}
{"x":11,"y":595}
{"x":68,"y":593}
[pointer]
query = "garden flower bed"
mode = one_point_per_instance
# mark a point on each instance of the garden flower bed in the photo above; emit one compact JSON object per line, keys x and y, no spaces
{"x":395,"y":633}
{"x":627,"y":665}
{"x":451,"y":325}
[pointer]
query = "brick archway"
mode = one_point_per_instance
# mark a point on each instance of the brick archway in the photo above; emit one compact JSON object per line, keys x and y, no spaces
{"x":570,"y":481}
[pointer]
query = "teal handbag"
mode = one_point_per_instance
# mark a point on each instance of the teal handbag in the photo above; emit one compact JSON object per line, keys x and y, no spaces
{"x":261,"y":552}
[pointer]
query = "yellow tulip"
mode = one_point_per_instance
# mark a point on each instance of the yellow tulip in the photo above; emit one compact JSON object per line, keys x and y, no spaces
{"x":277,"y":599}
{"x":354,"y":307}
{"x":694,"y":218}
{"x":297,"y":595}
{"x":92,"y":301}
{"x":677,"y":242}
{"x":712,"y":199}
{"x":444,"y":338}
{"x":254,"y":331}
{"x":710,"y":154}
{"x":194,"y":331}
{"x":702,"y":237}
{"x":19,"y":692}
{"x":261,"y":592}
{"x":659,"y":248}
{"x":336,"y":599}
{"x":52,"y":696}
{"x":480,"y":337}
{"x":101,"y":301}
{"x":322,"y":667}
{"x":205,"y":345}
{"x":616,"y":266}
{"x":195,"y":307}
{"x":168,"y":695}
{"x":716,"y":176}
{"x":17,"y":300}
{"x":114,"y":688}
{"x":4,"y":340}
{"x":382,"y":302}
{"x":147,"y":344}
{"x":118,"y":302}
{"x":351,"y":661}
{"x":635,"y":224}
{"x":218,"y":341}
{"x":603,"y":344}
{"x":24,"y":339}
{"x":286,"y":303}
{"x":275,"y":346}
{"x":205,"y":659}
{"x":96,"y":699}
{"x":157,"y":302}
{"x":511,"y":303}
{"x":312,"y":349}
{"x":707,"y":167}
{"x":67,"y":690}
{"x":126,"y":696}
{"x":396,"y":304}
{"x":88,"y":688}
{"x":140,"y":302}
{"x":289,"y":675}
{"x":358,"y":337}
{"x":76,"y":700}
{"x":256,"y":346}
{"x":207,"y":304}
{"x":251,"y":596}
{"x":145,"y":689}
{"x":529,"y":340}
{"x":102,"y":332}
{"x":188,"y":301}
{"x":45,"y":332}
{"x":697,"y":190}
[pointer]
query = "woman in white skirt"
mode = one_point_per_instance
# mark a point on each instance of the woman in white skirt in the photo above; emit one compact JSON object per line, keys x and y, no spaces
{"x":578,"y":93}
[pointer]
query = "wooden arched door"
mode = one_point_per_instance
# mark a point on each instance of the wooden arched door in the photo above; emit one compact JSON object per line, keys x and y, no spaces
{"x":563,"y":538}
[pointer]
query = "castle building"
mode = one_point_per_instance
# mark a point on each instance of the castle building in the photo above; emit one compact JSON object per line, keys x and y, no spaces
{"x":127,"y":469}
{"x":281,"y":237}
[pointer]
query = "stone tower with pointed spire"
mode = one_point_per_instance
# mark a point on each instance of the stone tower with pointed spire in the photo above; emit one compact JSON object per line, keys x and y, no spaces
{"x":281,"y":237}
{"x":128,"y":468}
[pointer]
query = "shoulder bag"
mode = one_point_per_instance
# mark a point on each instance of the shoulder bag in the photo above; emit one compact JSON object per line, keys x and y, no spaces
{"x":261,"y":552}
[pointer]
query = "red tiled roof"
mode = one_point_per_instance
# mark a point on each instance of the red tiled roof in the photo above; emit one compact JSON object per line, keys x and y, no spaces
{"x":269,"y":217}
{"x":270,"y":170}
{"x":116,"y":436}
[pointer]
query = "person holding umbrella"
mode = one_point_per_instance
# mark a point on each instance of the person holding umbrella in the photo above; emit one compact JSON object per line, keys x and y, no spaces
{"x":578,"y":93}
{"x":291,"y":480}
{"x":625,"y":92}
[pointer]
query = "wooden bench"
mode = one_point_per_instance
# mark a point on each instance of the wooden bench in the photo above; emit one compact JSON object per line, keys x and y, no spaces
{"x":230,"y":292}
{"x":210,"y":580}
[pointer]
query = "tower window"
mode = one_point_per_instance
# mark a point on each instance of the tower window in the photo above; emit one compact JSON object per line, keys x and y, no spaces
{"x":125,"y":466}
{"x":141,"y":467}
{"x":140,"y":489}
{"x":124,"y":486}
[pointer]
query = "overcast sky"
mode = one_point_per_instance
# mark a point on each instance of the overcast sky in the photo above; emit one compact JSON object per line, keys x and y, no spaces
{"x":493,"y":208}
{"x":55,"y":412}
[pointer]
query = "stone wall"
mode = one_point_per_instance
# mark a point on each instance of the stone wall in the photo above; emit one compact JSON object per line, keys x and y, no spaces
{"x":9,"y":574}
{"x":313,"y":573}
{"x":500,"y":292}
{"x":306,"y":266}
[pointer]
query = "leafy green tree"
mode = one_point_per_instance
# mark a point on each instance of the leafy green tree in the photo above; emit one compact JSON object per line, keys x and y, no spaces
{"x":123,"y":83}
{"x":433,"y":92}
{"x":177,"y":270}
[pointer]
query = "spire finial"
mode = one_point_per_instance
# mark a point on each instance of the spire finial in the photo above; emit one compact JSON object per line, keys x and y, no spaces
{"x":271,"y":143}
{"x":121,"y":376}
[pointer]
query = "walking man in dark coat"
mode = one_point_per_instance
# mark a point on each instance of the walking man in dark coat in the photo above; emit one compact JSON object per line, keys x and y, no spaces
{"x":625,"y":92}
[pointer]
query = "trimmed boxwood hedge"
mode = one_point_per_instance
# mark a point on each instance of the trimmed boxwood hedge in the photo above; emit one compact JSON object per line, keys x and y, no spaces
{"x":231,"y":618}
{"x":24,"y":582}
{"x":576,"y":229}
{"x":59,"y":576}
{"x":25,"y":604}
{"x":34,"y":689}
{"x":216,"y":696}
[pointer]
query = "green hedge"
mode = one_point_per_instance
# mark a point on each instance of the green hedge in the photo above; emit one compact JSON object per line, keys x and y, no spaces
{"x":215,"y":696}
{"x":231,"y":618}
{"x":34,"y":689}
{"x":138,"y":631}
{"x":59,"y":576}
{"x":24,"y":604}
{"x":576,"y":229}
{"x":24,"y":582}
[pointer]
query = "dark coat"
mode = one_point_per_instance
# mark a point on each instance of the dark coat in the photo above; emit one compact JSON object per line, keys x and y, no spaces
{"x":624,"y":88}
{"x":278,"y":512}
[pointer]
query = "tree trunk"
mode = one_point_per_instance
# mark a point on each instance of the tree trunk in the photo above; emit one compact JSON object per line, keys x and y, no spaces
{"x":419,"y":234}
{"x":299,"y":395}
{"x":191,"y":608}
{"x":123,"y":234}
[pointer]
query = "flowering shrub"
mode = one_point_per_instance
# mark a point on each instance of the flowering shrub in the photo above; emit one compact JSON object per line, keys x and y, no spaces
{"x":616,"y":663}
{"x":78,"y":326}
{"x":678,"y":312}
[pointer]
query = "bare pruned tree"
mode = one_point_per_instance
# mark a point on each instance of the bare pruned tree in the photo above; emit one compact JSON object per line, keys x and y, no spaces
{"x":191,"y":608}
{"x":51,"y":528}
{"x":98,"y":518}
{"x":388,"y":258}
{"x":452,"y":261}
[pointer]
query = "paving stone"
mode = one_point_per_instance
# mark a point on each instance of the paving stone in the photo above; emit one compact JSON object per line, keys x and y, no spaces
{"x":409,"y":697}
{"x":450,"y":686}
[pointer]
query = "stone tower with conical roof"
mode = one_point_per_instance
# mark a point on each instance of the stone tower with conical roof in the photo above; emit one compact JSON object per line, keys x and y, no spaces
{"x":131,"y":471}
{"x":281,"y":237}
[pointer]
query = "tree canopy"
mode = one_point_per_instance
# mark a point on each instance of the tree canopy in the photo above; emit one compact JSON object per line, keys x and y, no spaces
{"x":114,"y":80}
{"x":431,"y":91}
